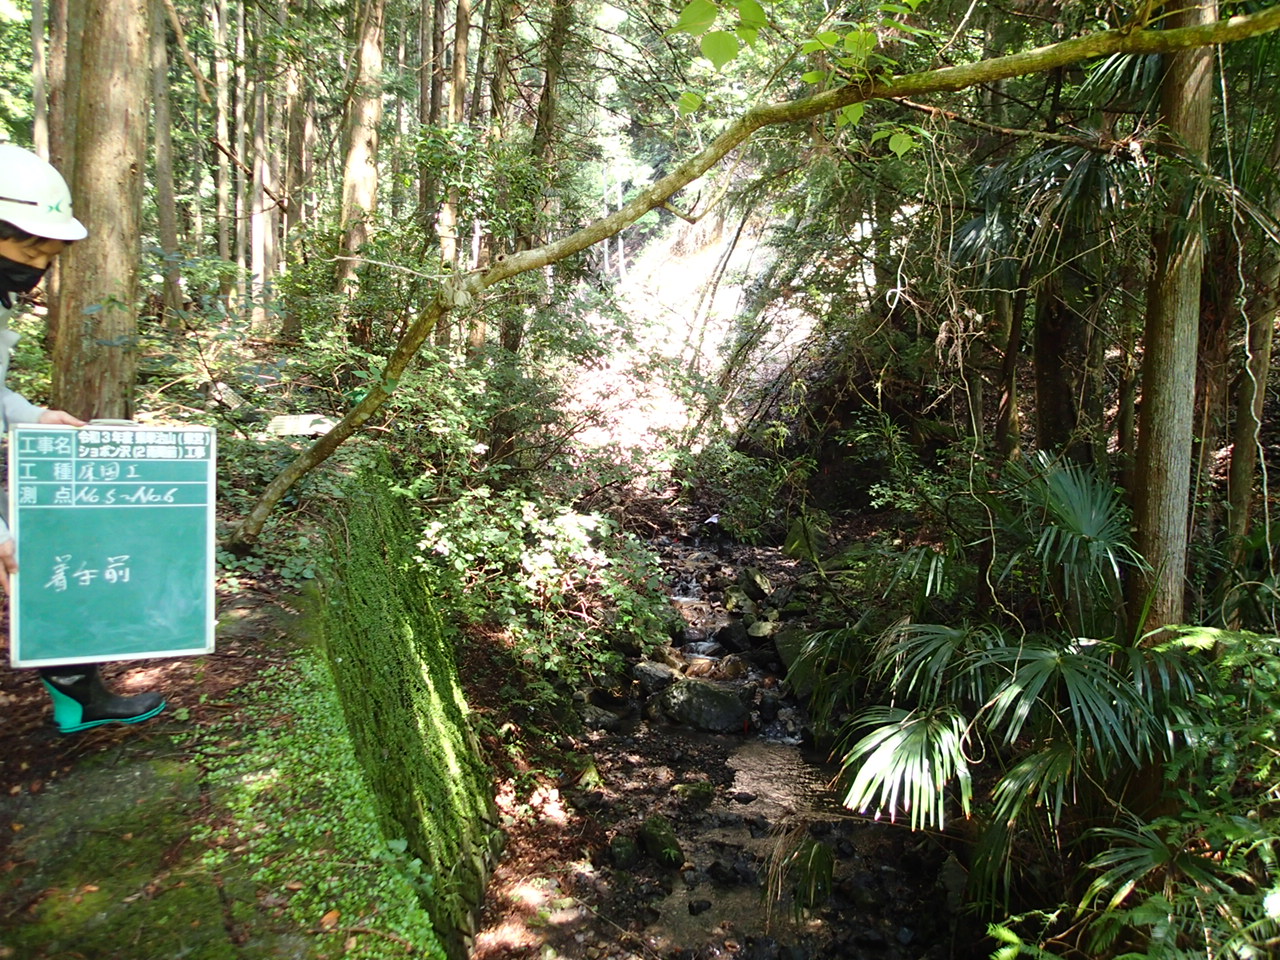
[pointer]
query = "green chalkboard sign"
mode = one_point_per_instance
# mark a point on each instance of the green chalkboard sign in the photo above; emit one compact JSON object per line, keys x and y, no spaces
{"x":114,"y":526}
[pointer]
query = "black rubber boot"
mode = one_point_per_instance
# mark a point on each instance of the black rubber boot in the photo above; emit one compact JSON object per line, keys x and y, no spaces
{"x":80,"y":701}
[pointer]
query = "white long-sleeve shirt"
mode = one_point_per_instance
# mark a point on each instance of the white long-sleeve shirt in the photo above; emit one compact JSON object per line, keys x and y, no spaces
{"x":14,"y":408}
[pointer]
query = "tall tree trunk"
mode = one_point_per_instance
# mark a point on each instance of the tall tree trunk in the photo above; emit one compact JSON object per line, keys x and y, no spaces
{"x":95,"y":358}
{"x":66,"y":32}
{"x":431,"y":108}
{"x":439,"y":15}
{"x":398,"y":126}
{"x":296,"y":118}
{"x":221,"y":132}
{"x":427,"y":67}
{"x":197,"y":170}
{"x":295,"y":173}
{"x":240,"y":122}
{"x":501,"y":43}
{"x":1172,"y":328}
{"x":258,"y":205}
{"x":461,"y":50}
{"x":448,"y":225}
{"x":1127,"y":393}
{"x":39,"y":81}
{"x":1009,"y":339}
{"x":66,"y":28}
{"x":360,"y":172}
{"x":476,"y":113}
{"x":1219,"y":290}
{"x":166,"y":195}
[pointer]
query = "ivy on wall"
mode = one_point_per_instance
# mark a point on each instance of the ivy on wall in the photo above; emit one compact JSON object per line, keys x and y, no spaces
{"x":393,"y":664}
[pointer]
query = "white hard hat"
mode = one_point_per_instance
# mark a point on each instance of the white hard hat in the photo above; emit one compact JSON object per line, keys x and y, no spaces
{"x":34,"y":197}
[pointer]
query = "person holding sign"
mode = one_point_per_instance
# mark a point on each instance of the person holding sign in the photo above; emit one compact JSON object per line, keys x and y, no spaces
{"x":36,"y":224}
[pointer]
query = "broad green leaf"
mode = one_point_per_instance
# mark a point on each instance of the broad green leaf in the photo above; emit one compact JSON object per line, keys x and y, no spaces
{"x":749,"y":35}
{"x":719,"y":46}
{"x":850,"y":114}
{"x":894,"y":8}
{"x":814,"y":76}
{"x":696,"y":18}
{"x":908,"y":28}
{"x":688,"y":102}
{"x":901,"y":143}
{"x":752,"y":14}
{"x":860,"y":43}
{"x":823,"y":41}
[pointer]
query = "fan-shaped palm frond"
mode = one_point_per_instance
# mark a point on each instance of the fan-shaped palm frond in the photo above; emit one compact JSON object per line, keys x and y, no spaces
{"x":930,"y":661}
{"x":1143,"y":853}
{"x":832,"y":669}
{"x":1044,"y":779}
{"x":1071,"y":693}
{"x":907,"y":762}
{"x":1123,"y":79}
{"x":1076,"y":527}
{"x":1084,"y":527}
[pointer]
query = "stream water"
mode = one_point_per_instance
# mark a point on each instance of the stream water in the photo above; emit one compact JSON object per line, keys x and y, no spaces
{"x":776,"y":829}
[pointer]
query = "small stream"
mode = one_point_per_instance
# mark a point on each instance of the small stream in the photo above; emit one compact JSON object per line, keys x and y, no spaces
{"x":886,"y":897}
{"x":888,"y":894}
{"x":770,"y":865}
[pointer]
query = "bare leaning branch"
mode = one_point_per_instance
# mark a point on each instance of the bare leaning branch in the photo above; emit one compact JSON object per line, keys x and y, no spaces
{"x":459,"y":291}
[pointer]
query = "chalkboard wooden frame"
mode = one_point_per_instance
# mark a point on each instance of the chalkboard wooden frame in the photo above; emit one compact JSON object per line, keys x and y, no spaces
{"x":114,"y":524}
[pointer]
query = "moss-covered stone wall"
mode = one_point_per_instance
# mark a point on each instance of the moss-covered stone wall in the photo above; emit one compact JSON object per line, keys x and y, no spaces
{"x":394,"y":665}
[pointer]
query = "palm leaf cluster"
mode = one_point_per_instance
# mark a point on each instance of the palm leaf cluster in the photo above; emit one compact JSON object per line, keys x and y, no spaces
{"x":1054,"y":743}
{"x":1030,"y":733}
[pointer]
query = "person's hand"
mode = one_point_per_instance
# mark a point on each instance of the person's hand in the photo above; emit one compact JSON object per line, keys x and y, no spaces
{"x":60,"y":417}
{"x":8,"y":562}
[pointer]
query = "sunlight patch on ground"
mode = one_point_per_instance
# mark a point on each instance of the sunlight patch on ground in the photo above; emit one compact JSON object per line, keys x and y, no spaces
{"x":504,"y":940}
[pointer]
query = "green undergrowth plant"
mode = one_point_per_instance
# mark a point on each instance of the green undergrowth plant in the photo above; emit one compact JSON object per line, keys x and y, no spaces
{"x":1200,"y":874}
{"x":1039,"y":736}
{"x":754,"y":497}
{"x":298,"y":818}
{"x":572,"y":591}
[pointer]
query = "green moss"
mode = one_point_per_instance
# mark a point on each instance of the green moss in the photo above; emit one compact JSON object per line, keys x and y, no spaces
{"x":305,"y":845}
{"x":112,"y":867}
{"x":394,"y":666}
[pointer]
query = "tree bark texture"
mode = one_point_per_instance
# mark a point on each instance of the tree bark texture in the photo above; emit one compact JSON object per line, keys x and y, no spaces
{"x":1163,"y":474}
{"x":221,"y":130}
{"x":66,"y":28}
{"x":95,"y":352}
{"x":360,"y":173}
{"x":258,"y":220}
{"x":166,"y":195}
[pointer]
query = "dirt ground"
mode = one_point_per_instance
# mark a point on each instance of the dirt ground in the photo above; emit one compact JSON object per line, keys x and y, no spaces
{"x":199,"y":691}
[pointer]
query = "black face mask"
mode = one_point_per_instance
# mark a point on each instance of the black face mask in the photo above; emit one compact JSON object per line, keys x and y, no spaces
{"x":17,"y":278}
